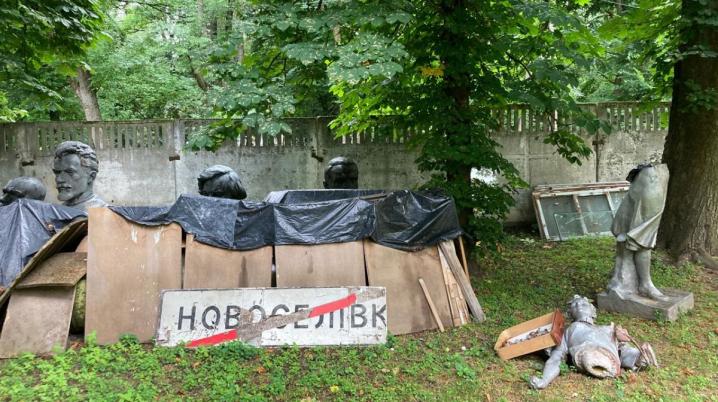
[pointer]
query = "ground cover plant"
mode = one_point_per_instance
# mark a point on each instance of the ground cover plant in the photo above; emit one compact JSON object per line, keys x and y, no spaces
{"x":527,"y":278}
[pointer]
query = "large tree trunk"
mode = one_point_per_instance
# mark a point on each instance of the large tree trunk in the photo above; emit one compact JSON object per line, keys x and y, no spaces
{"x":690,"y":222}
{"x":86,"y":95}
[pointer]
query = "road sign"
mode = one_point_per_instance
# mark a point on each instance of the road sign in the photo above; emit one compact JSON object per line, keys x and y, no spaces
{"x":273,"y":316}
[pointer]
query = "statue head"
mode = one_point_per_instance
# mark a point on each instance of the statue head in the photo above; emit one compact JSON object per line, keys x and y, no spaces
{"x":75,"y":168}
{"x":23,"y":187}
{"x":221,"y":181}
{"x":341,"y":173}
{"x":581,"y":309}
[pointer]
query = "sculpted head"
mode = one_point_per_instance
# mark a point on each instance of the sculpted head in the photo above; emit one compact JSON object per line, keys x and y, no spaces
{"x":23,"y":187}
{"x":581,"y":309}
{"x":75,"y":168}
{"x":341,"y":173}
{"x":221,"y":181}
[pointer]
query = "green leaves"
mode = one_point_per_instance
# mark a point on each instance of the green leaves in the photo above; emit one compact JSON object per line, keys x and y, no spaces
{"x":41,"y":39}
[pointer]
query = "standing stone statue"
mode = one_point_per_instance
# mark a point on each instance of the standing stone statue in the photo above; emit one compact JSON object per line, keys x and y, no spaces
{"x":222,"y":182}
{"x":75,"y":168}
{"x":23,"y":187}
{"x":631,"y":289}
{"x":599,"y":350}
{"x":341,"y":173}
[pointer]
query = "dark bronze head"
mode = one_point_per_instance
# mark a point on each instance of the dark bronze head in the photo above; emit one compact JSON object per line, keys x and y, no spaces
{"x":221,"y":181}
{"x":341,"y":173}
{"x":23,"y":187}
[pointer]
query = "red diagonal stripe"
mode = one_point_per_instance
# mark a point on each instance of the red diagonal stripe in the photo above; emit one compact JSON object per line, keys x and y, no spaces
{"x":333,"y":306}
{"x":315,"y":312}
{"x":214,"y":339}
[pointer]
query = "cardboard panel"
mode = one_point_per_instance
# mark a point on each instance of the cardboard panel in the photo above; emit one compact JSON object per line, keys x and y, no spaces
{"x":338,"y":264}
{"x":127,"y":267}
{"x":62,"y":269}
{"x":208,"y":267}
{"x":399,"y":271}
{"x":37,"y":321}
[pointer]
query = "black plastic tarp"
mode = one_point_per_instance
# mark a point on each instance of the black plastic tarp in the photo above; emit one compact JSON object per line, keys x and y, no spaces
{"x":405,"y":220}
{"x":306,"y":196}
{"x":25,"y":225}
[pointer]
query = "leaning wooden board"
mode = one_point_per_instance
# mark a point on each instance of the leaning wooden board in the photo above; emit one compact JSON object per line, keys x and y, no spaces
{"x":37,"y":321}
{"x":320,"y":265}
{"x":207,"y":267}
{"x":399,"y":271}
{"x":127,"y":267}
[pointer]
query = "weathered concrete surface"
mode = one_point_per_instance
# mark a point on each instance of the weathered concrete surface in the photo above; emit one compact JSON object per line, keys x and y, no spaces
{"x":139,"y":165}
{"x":649,"y":309}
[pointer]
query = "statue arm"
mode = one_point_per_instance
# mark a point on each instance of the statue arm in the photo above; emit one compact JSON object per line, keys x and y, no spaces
{"x":551,"y":369}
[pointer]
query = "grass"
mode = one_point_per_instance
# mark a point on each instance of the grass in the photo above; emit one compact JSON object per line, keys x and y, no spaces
{"x":527,"y":279}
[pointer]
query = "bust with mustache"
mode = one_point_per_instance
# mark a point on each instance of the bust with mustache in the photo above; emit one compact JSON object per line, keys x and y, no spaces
{"x":75,"y":168}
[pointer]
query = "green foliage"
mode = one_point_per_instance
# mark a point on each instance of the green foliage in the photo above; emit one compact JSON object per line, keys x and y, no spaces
{"x":41,"y":38}
{"x":647,"y":34}
{"x":144,"y":70}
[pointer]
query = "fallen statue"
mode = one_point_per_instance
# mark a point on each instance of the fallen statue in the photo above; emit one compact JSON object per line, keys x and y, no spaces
{"x":599,"y":350}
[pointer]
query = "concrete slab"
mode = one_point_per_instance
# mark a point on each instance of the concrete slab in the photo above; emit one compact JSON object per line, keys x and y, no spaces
{"x":649,"y":309}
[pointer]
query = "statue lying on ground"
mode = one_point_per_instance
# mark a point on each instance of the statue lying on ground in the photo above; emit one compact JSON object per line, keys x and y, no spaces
{"x":635,"y":227}
{"x":222,"y":182}
{"x":599,"y":350}
{"x":23,"y":187}
{"x":341,"y":173}
{"x":75,"y":168}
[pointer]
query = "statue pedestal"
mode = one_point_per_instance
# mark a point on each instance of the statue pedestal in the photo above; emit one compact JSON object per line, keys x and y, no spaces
{"x":646,"y":308}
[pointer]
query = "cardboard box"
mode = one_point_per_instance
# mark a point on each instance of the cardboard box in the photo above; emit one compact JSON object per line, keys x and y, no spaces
{"x":524,"y":342}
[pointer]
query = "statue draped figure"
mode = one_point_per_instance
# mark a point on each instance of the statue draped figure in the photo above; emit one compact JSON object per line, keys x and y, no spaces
{"x":635,"y":227}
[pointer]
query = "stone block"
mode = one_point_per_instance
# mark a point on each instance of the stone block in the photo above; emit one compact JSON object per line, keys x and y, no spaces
{"x":643,"y":307}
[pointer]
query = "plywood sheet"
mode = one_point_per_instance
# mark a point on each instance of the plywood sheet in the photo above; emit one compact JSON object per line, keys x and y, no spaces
{"x":64,"y":240}
{"x":399,"y":271}
{"x":37,"y":321}
{"x":338,"y":264}
{"x":127,"y":267}
{"x":208,"y":267}
{"x":62,"y":269}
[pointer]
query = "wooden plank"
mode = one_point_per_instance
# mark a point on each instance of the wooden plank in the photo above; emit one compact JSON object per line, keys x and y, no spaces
{"x":127,"y":267}
{"x":540,"y":216}
{"x":448,"y":277}
{"x":273,"y":317}
{"x":64,"y":240}
{"x":463,"y":256}
{"x":338,"y":264}
{"x":447,"y":247}
{"x":431,"y":305}
{"x":210,"y":267}
{"x":460,"y":301}
{"x":37,"y":321}
{"x":62,"y":269}
{"x":399,"y":271}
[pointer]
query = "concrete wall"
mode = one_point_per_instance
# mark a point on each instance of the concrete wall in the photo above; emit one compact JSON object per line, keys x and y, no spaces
{"x":139,"y":162}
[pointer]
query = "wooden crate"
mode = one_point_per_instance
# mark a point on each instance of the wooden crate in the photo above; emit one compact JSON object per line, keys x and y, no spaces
{"x":552,"y":338}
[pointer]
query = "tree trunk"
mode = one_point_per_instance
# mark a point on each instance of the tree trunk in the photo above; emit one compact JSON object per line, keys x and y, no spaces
{"x":690,"y":222}
{"x":86,"y":95}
